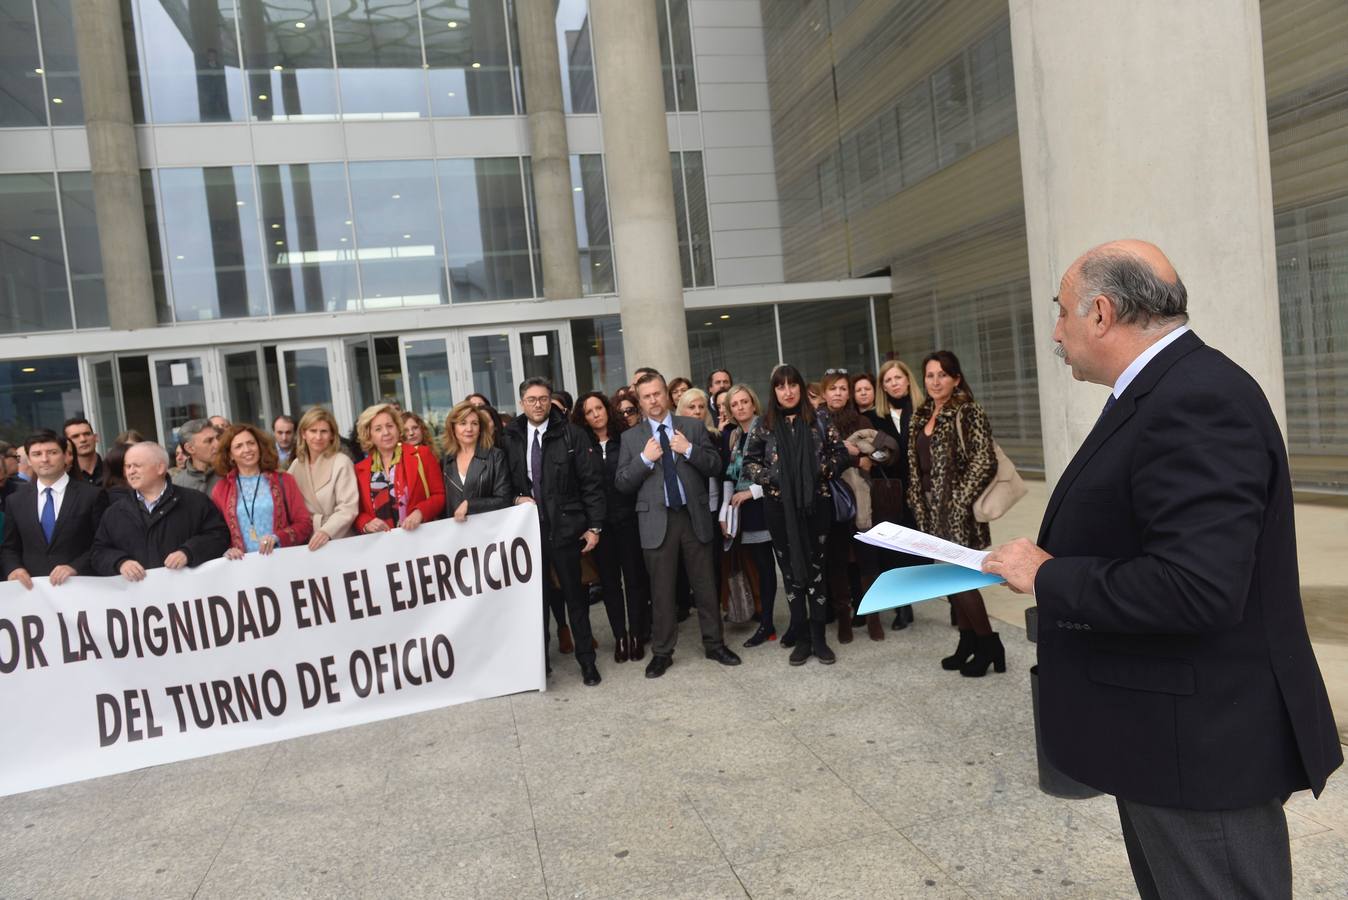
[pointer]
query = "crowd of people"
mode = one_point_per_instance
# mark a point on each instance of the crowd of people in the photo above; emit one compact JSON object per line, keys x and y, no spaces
{"x":660,"y":499}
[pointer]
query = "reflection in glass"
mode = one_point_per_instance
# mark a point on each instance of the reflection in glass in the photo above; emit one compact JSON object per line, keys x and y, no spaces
{"x":994,"y":85}
{"x":950,"y":98}
{"x":60,"y":62}
{"x":33,"y":291}
{"x":541,"y":354}
{"x":741,"y":338}
{"x":827,"y":334}
{"x":107,"y":412}
{"x":389,"y":366}
{"x":489,"y":359}
{"x":307,"y":380}
{"x":34,"y":393}
{"x":592,"y":228}
{"x":428,"y":379}
{"x":577,"y":56}
{"x":182,"y":393}
{"x":468,"y":55}
{"x":163,"y":310}
{"x":917,"y":133}
{"x":486,"y":228}
{"x":360,"y":369}
{"x":21,"y":102}
{"x":597,"y":346}
{"x":379,"y":62}
{"x":190,"y":61}
{"x":676,"y":43}
{"x":690,"y":212}
{"x":398,"y":229}
{"x":243,"y":387}
{"x":82,"y":249}
{"x":287,"y":59}
{"x":215,"y":259}
{"x":311,"y":264}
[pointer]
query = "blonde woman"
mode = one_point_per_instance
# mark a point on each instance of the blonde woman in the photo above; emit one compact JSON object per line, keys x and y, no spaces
{"x":326,"y":477}
{"x":477,"y":475}
{"x":693,"y":403}
{"x":417,"y":431}
{"x":898,"y":394}
{"x":399,"y":484}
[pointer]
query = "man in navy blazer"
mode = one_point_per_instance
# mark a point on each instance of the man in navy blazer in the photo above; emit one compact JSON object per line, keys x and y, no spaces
{"x":50,"y":521}
{"x":1175,"y":668}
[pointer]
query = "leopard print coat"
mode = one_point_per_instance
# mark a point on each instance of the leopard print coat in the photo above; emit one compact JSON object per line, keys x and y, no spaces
{"x":960,"y":472}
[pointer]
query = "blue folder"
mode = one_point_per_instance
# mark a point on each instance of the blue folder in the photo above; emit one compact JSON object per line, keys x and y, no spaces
{"x":902,"y":587}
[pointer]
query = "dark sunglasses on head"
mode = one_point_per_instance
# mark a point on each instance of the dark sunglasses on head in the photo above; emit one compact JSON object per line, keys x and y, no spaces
{"x":628,"y":410}
{"x":835,"y":371}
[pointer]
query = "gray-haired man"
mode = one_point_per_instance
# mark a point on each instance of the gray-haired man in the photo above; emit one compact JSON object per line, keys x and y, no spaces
{"x":200,"y":440}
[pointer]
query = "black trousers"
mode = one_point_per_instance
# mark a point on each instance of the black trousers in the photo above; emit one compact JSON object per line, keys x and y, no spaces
{"x":564,"y":561}
{"x":622,"y":572}
{"x":806,"y":597}
{"x":663,"y":563}
{"x":762,"y":557}
{"x":1190,"y":853}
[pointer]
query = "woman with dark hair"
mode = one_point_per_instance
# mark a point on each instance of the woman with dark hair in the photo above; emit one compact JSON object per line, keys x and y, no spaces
{"x":951,"y":462}
{"x":793,"y":453}
{"x":898,"y":396}
{"x":418,"y":432}
{"x":863,"y":392}
{"x":626,"y":406}
{"x":622,"y":568}
{"x":676,"y":388}
{"x":262,"y":506}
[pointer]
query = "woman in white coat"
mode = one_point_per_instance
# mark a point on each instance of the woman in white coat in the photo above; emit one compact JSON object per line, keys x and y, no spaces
{"x":326,"y":477}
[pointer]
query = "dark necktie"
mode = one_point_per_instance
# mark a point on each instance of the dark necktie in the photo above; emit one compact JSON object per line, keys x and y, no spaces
{"x":48,"y":515}
{"x":1109,"y":401}
{"x":536,"y":463}
{"x":673,"y":496}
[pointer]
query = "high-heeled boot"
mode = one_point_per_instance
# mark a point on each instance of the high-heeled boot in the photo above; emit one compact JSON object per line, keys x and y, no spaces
{"x":963,"y":653}
{"x":819,"y":639}
{"x":990,"y":652}
{"x":874,"y":628}
{"x":844,"y":614}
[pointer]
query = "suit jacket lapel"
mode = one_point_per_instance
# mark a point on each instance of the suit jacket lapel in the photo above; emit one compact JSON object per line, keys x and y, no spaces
{"x":1112,"y":421}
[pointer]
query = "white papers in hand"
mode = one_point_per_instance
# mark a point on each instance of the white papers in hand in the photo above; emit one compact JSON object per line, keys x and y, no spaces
{"x":909,"y":540}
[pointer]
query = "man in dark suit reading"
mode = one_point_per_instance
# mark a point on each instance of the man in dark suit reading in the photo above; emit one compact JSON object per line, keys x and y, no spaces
{"x":667,"y":461}
{"x":1175,"y":668}
{"x":50,"y":522}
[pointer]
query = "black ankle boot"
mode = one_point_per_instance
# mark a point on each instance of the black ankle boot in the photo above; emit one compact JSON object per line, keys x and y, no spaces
{"x":990,"y":653}
{"x":791,"y":637}
{"x":801,"y":652}
{"x":819,"y":638}
{"x":764,"y":633}
{"x":963,"y":653}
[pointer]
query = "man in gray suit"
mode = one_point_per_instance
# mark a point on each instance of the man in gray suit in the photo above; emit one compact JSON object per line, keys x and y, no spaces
{"x":666,"y":461}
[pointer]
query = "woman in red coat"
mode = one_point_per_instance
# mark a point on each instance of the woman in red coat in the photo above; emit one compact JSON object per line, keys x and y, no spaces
{"x":400,"y":484}
{"x":262,"y":506}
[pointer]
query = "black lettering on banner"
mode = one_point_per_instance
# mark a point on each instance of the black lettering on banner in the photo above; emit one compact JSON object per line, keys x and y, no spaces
{"x":443,"y":570}
{"x":425,"y":580}
{"x":155,"y":636}
{"x":247,"y":624}
{"x":269,"y":610}
{"x":228,"y":701}
{"x":130,"y":709}
{"x":175,"y":693}
{"x":491,"y":550}
{"x":459,"y":559}
{"x":349,"y":580}
{"x":387,"y":667}
{"x":222,"y":621}
{"x":505,"y":565}
{"x":316,"y":685}
{"x":395,"y":586}
{"x":318,"y":598}
{"x":21,"y":642}
{"x":477,"y":571}
{"x":87,"y":646}
{"x":523,"y":570}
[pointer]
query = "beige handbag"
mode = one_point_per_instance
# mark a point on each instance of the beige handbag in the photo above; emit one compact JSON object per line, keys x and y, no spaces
{"x":1006,"y":489}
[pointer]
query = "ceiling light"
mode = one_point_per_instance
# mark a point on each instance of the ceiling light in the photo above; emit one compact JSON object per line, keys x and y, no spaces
{"x":451,"y":93}
{"x":57,"y":100}
{"x":451,"y":25}
{"x":29,"y":369}
{"x":275,"y":224}
{"x":239,"y":203}
{"x":706,"y":323}
{"x":179,"y":256}
{"x":276,"y":68}
{"x":347,"y":222}
{"x":38,"y":71}
{"x":576,"y":189}
{"x":280,"y":243}
{"x":477,"y":65}
{"x":397,"y":196}
{"x":34,"y":237}
{"x":262,"y":96}
{"x":407,"y":237}
{"x":726,"y":316}
{"x":343,"y":240}
{"x":300,"y":25}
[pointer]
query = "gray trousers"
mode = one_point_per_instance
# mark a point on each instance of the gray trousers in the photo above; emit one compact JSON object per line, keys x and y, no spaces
{"x":663,"y":565}
{"x":1189,"y":853}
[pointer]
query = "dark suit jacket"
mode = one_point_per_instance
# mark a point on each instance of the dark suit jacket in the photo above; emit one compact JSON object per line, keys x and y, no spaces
{"x":573,"y":487}
{"x":184,"y":519}
{"x":26,"y":547}
{"x":1175,"y":668}
{"x":487,"y":485}
{"x":634,"y":477}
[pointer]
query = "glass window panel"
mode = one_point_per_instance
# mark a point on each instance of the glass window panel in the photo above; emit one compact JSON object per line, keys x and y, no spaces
{"x":288,"y":67}
{"x":137,"y":395}
{"x":887,"y":125}
{"x":527,"y":166}
{"x":163,"y":310}
{"x":699,"y":224}
{"x":994,"y":90}
{"x":486,"y":228}
{"x":82,"y":249}
{"x":917,"y":134}
{"x":467,"y":50}
{"x":34,"y":295}
{"x":681,"y":218}
{"x":592,"y":228}
{"x":60,"y":62}
{"x":428,"y":377}
{"x":666,"y":66}
{"x":827,"y":334}
{"x":681,"y":35}
{"x":108,"y":414}
{"x":950,"y":99}
{"x":389,"y":366}
{"x":597,"y":345}
{"x":190,"y":61}
{"x":493,"y":375}
{"x":379,"y":61}
{"x":541,"y":355}
{"x":37,"y":393}
{"x":21,"y":102}
{"x":182,"y":392}
{"x":402,"y":260}
{"x":311,"y":263}
{"x":577,"y":56}
{"x":740,"y":338}
{"x":360,"y":369}
{"x":243,"y":386}
{"x":215,"y":258}
{"x":130,"y":37}
{"x":308,"y":382}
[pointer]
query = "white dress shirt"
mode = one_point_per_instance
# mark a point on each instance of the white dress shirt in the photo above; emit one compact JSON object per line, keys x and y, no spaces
{"x":58,"y":494}
{"x":1146,"y":356}
{"x":539,"y":431}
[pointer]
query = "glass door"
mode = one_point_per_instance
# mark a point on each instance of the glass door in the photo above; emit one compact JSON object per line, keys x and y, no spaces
{"x":546,"y":352}
{"x":313,"y":374}
{"x":489,"y":367}
{"x":362,"y":371}
{"x":183,"y":386}
{"x":104,"y":387}
{"x":430,"y":391}
{"x":245,"y":374}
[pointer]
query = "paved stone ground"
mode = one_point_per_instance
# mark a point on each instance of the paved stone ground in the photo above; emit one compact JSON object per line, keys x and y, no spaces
{"x":882,"y":776}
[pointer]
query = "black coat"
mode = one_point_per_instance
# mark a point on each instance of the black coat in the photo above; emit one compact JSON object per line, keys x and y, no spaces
{"x":1175,"y":669}
{"x":573,"y":488}
{"x":26,"y":547}
{"x":184,"y":519}
{"x":487,"y":485}
{"x":619,"y":508}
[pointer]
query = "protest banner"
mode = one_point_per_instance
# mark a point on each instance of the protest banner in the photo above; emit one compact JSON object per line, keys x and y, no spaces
{"x":102,"y":675}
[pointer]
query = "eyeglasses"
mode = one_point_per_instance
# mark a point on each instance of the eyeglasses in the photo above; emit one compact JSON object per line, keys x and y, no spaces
{"x":835,"y":371}
{"x":628,"y":410}
{"x":536,"y":401}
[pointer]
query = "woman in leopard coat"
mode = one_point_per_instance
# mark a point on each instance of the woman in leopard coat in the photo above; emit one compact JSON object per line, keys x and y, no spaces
{"x":951,"y":462}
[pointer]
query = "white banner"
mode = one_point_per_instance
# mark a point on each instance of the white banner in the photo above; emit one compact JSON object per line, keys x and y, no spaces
{"x":100,"y":675}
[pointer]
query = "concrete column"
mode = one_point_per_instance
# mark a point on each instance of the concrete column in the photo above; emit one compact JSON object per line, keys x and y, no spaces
{"x":553,"y":197}
{"x":1147,"y":119}
{"x":640,"y":188}
{"x":113,"y":160}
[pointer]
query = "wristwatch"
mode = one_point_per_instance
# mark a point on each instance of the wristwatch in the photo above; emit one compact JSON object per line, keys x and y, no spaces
{"x":595,"y":530}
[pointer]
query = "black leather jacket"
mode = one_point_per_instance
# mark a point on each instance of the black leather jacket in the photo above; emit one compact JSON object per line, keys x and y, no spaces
{"x":573,"y":488}
{"x":761,"y":463}
{"x":487,"y":486}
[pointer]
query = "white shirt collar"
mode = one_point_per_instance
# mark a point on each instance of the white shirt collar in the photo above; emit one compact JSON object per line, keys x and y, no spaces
{"x":1146,"y":356}
{"x":58,"y":488}
{"x":541,"y":428}
{"x":667,"y":421}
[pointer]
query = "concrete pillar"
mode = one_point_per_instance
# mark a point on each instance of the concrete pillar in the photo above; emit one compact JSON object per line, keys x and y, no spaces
{"x":113,"y":160}
{"x":1147,"y":119}
{"x":640,"y":188}
{"x":553,"y":196}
